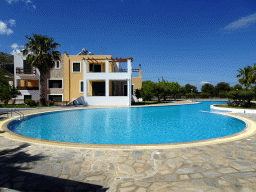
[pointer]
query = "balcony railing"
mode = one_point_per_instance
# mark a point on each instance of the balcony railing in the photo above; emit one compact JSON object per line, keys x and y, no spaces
{"x":26,"y":71}
{"x":133,"y":70}
{"x":28,"y":88}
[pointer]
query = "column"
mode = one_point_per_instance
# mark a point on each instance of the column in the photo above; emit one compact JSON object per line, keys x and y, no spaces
{"x":129,"y":86}
{"x":129,"y":66}
{"x":84,"y":79}
{"x":107,"y":79}
{"x":118,"y":66}
{"x":107,"y":65}
{"x":107,"y":87}
{"x":129,"y":91}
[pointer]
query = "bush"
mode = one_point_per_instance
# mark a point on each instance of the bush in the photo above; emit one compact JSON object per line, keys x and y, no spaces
{"x":204,"y":95}
{"x":43,"y":102}
{"x":30,"y":102}
{"x":240,"y":98}
{"x":51,"y":103}
{"x":190,"y":95}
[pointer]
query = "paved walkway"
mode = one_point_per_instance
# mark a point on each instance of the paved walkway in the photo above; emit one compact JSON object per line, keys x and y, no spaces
{"x":223,"y":167}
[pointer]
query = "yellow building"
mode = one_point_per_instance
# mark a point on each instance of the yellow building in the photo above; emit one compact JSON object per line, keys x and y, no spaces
{"x":108,"y":81}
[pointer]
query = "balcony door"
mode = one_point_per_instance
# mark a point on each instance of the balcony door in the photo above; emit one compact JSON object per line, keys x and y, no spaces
{"x":96,"y":68}
{"x":125,"y":89}
{"x":26,"y":67}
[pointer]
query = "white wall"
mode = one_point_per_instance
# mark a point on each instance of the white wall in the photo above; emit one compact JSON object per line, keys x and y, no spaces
{"x":34,"y":93}
{"x":18,"y":62}
{"x":112,"y":100}
{"x":107,"y":76}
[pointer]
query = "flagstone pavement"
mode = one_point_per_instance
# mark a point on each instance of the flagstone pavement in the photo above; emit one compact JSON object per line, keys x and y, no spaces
{"x":212,"y":168}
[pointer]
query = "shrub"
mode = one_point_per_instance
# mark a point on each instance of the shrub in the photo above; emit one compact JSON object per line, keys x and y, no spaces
{"x":240,"y":98}
{"x":204,"y":95}
{"x":189,"y":95}
{"x":52,"y":103}
{"x":30,"y":102}
{"x":43,"y":102}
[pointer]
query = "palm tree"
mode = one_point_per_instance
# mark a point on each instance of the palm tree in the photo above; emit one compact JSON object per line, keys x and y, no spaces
{"x":41,"y":53}
{"x":247,"y":76}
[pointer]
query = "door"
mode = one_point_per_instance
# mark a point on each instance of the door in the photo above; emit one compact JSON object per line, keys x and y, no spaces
{"x":125,"y":89}
{"x":98,"y":88}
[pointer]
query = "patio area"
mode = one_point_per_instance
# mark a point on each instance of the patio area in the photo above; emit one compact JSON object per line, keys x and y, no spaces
{"x":220,"y":167}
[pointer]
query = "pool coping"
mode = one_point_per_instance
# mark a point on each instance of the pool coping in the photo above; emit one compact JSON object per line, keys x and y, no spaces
{"x":233,"y":109}
{"x":249,"y":130}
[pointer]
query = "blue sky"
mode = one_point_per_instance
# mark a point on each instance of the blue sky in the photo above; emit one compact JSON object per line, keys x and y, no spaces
{"x":189,"y":41}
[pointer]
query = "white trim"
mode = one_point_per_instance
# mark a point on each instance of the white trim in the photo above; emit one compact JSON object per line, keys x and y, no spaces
{"x":73,"y":64}
{"x":54,"y":94}
{"x":127,"y":89}
{"x":80,"y":86}
{"x":56,"y":64}
{"x":54,"y":79}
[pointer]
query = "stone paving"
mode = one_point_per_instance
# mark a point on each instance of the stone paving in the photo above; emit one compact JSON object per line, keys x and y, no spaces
{"x":222,"y":167}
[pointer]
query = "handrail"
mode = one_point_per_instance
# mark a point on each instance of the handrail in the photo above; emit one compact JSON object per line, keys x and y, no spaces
{"x":18,"y":112}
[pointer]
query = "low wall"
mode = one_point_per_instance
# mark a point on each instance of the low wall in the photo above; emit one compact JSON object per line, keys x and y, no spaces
{"x":232,"y":109}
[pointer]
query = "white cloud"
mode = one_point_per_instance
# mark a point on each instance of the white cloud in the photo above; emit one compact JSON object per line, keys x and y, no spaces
{"x":241,"y":23}
{"x":4,"y":29}
{"x":204,"y":82}
{"x":25,"y":1}
{"x":14,"y":46}
{"x":12,"y":22}
{"x":10,"y":1}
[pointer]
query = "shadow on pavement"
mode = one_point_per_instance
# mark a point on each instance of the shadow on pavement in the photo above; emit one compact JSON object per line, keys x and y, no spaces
{"x":13,"y":164}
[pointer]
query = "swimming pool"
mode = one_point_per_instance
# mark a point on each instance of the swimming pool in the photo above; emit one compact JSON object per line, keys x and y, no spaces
{"x":138,"y":125}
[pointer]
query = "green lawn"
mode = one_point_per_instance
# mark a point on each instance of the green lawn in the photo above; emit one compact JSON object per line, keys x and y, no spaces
{"x":21,"y":106}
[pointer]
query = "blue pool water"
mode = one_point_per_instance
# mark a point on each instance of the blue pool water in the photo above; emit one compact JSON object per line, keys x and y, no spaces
{"x":142,"y":125}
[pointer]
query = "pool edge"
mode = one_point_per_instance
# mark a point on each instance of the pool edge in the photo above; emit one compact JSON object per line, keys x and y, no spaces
{"x":249,"y":130}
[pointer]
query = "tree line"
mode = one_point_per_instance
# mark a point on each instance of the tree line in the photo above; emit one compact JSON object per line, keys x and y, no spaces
{"x":163,"y":89}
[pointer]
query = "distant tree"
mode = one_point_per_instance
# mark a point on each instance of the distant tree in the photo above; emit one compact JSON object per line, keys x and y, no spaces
{"x":237,"y":87}
{"x":6,"y":91}
{"x":175,"y":89}
{"x":220,"y":88}
{"x":207,"y":88}
{"x":40,"y":52}
{"x":188,"y":87}
{"x":6,"y":58}
{"x":147,"y":90}
{"x":159,"y":89}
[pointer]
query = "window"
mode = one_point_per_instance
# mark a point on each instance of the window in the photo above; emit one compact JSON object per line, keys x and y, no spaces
{"x":81,"y":86}
{"x":76,"y":67}
{"x":95,"y":68}
{"x":125,"y":89}
{"x":57,"y":64}
{"x":55,"y":97}
{"x":55,"y":84}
